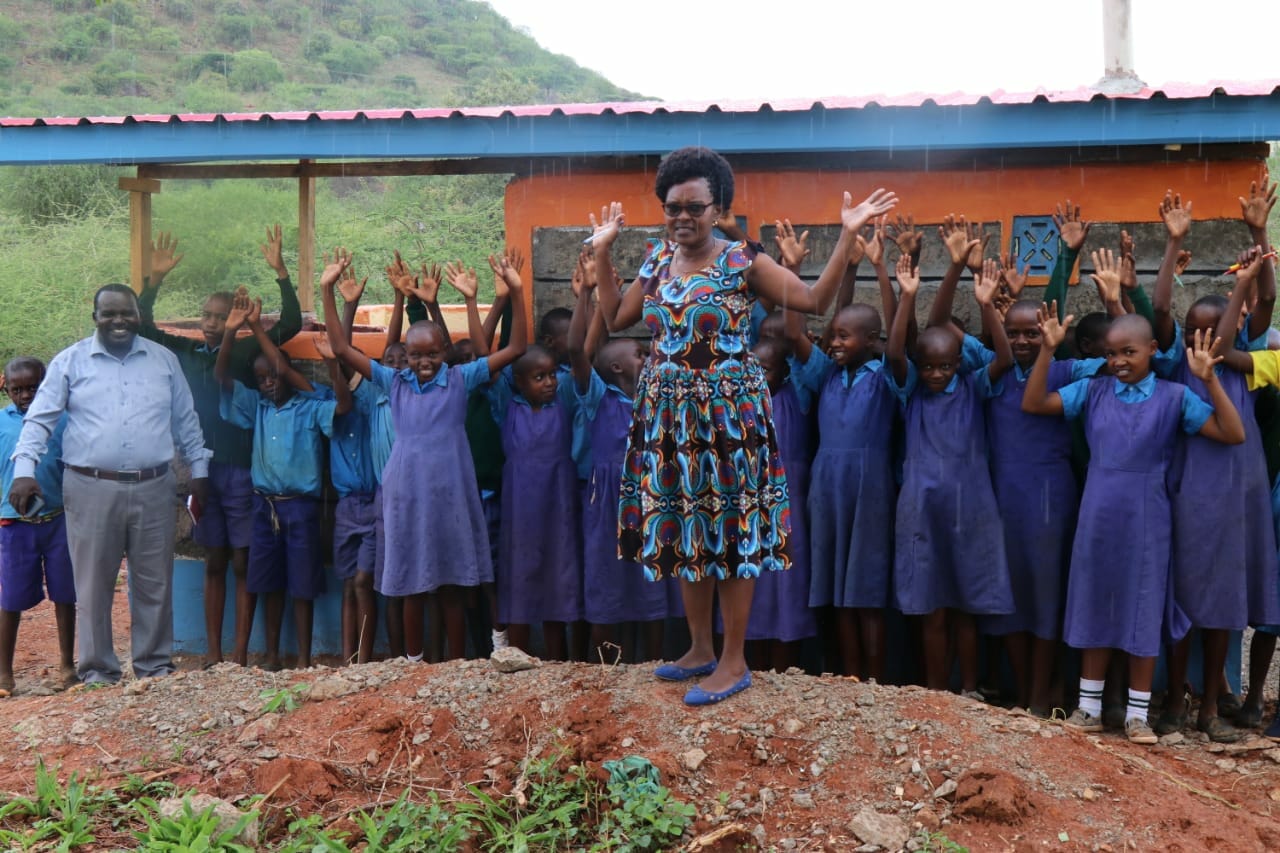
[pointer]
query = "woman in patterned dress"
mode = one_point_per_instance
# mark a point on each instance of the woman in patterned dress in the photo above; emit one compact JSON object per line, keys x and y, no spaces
{"x":704,"y":495}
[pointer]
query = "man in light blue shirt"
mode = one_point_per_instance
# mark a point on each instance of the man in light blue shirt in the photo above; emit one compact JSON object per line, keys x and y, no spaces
{"x":127,"y":406}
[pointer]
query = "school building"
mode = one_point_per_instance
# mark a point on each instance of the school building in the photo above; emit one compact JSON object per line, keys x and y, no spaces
{"x":1003,"y":159}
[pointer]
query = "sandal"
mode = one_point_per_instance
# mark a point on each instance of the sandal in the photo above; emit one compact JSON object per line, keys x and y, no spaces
{"x":1219,"y":730}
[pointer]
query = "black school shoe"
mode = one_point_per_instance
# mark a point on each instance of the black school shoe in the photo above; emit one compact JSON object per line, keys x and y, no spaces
{"x":1273,"y":730}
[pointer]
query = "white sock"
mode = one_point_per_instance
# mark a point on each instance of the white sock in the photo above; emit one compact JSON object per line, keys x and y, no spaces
{"x":500,"y":639}
{"x":1091,"y":696}
{"x":414,"y":658}
{"x":1139,"y":705}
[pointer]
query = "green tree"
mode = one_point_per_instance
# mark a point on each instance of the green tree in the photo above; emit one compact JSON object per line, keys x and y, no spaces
{"x":254,"y":71}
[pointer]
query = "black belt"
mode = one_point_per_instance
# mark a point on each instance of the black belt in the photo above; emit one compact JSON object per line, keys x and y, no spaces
{"x":122,"y":476}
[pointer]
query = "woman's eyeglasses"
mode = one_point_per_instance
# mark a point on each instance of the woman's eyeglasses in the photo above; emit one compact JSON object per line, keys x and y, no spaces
{"x":693,"y":208}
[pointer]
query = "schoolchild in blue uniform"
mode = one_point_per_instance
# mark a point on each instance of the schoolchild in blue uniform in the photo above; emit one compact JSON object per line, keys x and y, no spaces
{"x":34,"y":559}
{"x":287,"y":469}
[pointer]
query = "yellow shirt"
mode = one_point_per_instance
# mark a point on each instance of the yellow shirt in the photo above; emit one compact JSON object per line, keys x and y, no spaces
{"x":1266,"y":369}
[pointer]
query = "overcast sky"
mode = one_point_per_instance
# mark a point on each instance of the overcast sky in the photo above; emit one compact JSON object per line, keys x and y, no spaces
{"x":748,"y":49}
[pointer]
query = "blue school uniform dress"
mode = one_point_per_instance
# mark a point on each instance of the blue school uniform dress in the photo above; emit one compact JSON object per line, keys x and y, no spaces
{"x":540,"y":545}
{"x":435,"y":530}
{"x":780,"y":605}
{"x":287,"y":466}
{"x":1038,"y":496}
{"x":34,"y":558}
{"x":948,"y":542}
{"x":614,"y":590}
{"x":354,"y":469}
{"x":1119,"y":594}
{"x":1224,"y":546}
{"x":853,"y":489}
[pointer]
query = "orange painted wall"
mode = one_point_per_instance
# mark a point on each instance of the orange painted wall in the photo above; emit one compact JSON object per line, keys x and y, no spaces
{"x":1107,"y":192}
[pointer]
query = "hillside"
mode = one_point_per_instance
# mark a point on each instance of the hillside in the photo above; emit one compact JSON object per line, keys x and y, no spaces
{"x":93,"y":57}
{"x":64,"y":230}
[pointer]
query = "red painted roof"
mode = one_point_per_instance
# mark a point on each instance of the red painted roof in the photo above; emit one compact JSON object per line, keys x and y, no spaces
{"x":1172,"y":91}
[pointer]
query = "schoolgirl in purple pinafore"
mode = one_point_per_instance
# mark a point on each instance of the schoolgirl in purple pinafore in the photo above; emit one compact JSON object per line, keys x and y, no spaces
{"x":780,"y":607}
{"x":434,"y":528}
{"x":614,"y":590}
{"x":1038,"y":496}
{"x":948,"y":542}
{"x":540,"y":544}
{"x":1118,"y":591}
{"x":1224,"y":548}
{"x":853,"y":490}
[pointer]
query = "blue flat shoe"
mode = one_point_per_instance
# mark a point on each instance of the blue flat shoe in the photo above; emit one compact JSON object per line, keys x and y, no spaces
{"x":671,"y":672}
{"x":698,"y":696}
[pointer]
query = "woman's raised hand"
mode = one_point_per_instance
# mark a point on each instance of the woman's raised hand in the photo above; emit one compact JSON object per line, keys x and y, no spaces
{"x":853,"y":217}
{"x":609,"y":226}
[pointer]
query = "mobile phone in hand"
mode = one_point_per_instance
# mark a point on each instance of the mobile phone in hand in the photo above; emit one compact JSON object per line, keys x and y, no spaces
{"x":34,"y":505}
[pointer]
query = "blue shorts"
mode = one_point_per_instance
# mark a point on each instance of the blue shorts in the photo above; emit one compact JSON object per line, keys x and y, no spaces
{"x":355,"y":522}
{"x":34,"y":558}
{"x":227,"y":518}
{"x":285,"y":552}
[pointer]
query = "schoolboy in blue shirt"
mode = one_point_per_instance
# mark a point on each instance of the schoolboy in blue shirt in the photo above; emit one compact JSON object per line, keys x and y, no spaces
{"x":284,"y":552}
{"x":358,"y":451}
{"x":33,"y":549}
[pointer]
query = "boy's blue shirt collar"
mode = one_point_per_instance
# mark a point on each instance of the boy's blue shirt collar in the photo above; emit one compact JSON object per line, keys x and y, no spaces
{"x":1140,"y":390}
{"x":875,"y":365}
{"x":440,"y":380}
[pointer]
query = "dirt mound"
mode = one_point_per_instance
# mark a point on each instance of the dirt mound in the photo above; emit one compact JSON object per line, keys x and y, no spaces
{"x":796,"y":762}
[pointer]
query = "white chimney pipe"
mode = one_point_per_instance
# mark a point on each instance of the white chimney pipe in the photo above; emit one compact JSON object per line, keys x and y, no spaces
{"x":1117,"y":48}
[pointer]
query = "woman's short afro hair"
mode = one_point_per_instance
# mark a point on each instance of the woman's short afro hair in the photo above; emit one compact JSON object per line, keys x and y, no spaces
{"x":687,"y":164}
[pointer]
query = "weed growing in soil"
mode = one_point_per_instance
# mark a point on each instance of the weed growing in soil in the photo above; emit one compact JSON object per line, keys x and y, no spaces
{"x":937,"y":842}
{"x":58,"y":814}
{"x":190,"y":830}
{"x":283,"y":699}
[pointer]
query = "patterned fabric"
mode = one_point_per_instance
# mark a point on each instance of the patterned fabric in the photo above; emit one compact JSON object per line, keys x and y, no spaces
{"x":703,"y":489}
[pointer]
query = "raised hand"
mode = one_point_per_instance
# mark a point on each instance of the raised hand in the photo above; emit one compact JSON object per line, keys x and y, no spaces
{"x":974,"y":260}
{"x":908,"y":276}
{"x":1250,"y":262}
{"x":793,"y":249}
{"x":1256,"y":209}
{"x":461,"y":279}
{"x":255,"y":313}
{"x":273,"y":251}
{"x":1176,"y":215}
{"x":878,"y":203}
{"x":351,"y":289}
{"x":584,"y":273}
{"x":1071,"y":227}
{"x":1182,"y":262}
{"x":429,"y":290}
{"x":986,"y":282}
{"x":514,"y":259}
{"x":321,"y":342}
{"x":163,"y":256}
{"x":1015,"y":281}
{"x":875,"y":246}
{"x":1128,"y":266}
{"x":605,"y":230}
{"x":954,"y":232}
{"x":501,"y":266}
{"x":335,"y":264}
{"x":1052,"y":332}
{"x":241,"y":305}
{"x":906,"y":235}
{"x":1200,"y":357}
{"x":1106,"y":274}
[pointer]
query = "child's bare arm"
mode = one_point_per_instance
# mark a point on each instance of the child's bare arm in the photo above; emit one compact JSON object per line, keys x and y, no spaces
{"x":583,"y":315}
{"x":241,"y":305}
{"x":395,"y":325}
{"x":351,"y":291}
{"x":620,"y":309}
{"x":985,"y":286}
{"x":1177,"y":221}
{"x":875,"y":254}
{"x":349,"y":355}
{"x":341,"y":390}
{"x":1246,"y":281}
{"x":896,"y":351}
{"x":1255,"y":211}
{"x":958,"y":237}
{"x":798,"y":335}
{"x":1224,"y":424}
{"x":500,"y":299}
{"x":465,"y":282}
{"x":1037,"y":399}
{"x":519,"y":322}
{"x":281,"y":364}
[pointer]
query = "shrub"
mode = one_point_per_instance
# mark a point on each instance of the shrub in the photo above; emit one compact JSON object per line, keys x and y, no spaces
{"x":234,"y":30}
{"x":180,"y":10}
{"x":317,"y":45}
{"x":386,"y":46}
{"x":287,"y":15}
{"x":350,"y":59}
{"x":254,"y":71}
{"x":42,"y":194}
{"x":11,"y":33}
{"x":163,"y":39}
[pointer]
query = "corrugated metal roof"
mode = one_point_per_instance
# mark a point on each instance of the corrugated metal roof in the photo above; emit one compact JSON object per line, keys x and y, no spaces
{"x":1170,"y":91}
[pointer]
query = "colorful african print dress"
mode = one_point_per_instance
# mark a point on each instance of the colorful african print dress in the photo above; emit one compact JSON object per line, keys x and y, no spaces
{"x":703,"y":489}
